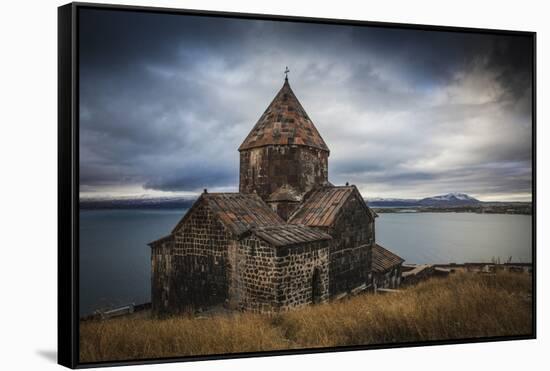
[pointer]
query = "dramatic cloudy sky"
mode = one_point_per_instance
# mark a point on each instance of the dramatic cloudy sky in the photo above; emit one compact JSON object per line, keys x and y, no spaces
{"x":166,"y":100}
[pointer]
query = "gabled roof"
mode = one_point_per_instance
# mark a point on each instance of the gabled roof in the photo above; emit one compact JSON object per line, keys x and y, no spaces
{"x":321,"y":207}
{"x":289,"y":234}
{"x":383,"y":259}
{"x":284,"y":122}
{"x":238,"y":212}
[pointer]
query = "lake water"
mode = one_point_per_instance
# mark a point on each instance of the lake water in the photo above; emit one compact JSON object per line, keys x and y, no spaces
{"x":115,"y":259}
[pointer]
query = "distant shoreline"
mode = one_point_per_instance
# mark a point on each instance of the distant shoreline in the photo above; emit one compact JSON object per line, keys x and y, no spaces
{"x":516,"y":208}
{"x":512,"y":208}
{"x":448,"y":203}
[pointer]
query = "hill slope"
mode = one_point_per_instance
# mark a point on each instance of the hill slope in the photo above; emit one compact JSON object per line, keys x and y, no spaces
{"x":460,"y":306}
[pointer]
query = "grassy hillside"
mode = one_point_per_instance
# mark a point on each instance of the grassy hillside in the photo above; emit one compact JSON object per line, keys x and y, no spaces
{"x":460,"y":306}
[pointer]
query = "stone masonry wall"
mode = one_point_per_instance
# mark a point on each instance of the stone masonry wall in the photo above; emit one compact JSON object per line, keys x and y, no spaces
{"x":296,"y":266}
{"x":268,"y":278}
{"x":161,"y":269}
{"x":351,"y":249}
{"x":265,"y":169}
{"x":253,"y":284}
{"x":198,"y":268}
{"x":390,"y":279}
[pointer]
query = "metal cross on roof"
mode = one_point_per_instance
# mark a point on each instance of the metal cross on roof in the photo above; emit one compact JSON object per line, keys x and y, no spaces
{"x":286,"y":72}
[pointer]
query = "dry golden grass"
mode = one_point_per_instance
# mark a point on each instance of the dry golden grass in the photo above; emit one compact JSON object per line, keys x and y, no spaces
{"x":460,"y":306}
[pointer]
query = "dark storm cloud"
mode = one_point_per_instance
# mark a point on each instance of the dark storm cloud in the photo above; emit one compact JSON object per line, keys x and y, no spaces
{"x":202,"y":178}
{"x":166,"y":100}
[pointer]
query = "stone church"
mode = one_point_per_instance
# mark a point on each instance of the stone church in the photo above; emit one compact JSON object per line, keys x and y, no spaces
{"x":287,"y":239}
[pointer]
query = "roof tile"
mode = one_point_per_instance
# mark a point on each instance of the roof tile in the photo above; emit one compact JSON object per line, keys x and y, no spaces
{"x":322,"y":206}
{"x":383,"y":259}
{"x":284,"y":122}
{"x":289,"y":234}
{"x":238,"y":211}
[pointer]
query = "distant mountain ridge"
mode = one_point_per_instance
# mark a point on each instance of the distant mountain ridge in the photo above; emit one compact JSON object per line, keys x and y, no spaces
{"x":449,"y":199}
{"x":179,"y":202}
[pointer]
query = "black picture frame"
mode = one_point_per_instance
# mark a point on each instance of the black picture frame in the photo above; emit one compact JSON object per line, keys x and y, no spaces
{"x":68,"y":181}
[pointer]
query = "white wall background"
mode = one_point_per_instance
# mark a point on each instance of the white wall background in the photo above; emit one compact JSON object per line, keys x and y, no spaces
{"x":28,"y":155}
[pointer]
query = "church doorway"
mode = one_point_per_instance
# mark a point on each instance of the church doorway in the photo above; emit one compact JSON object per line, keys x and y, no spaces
{"x":316,"y":289}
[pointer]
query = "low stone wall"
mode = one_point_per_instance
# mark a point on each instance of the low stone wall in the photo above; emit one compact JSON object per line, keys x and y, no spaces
{"x":413,"y":274}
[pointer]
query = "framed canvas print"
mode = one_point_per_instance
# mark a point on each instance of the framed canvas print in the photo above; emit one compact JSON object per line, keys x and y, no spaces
{"x":236,"y":185}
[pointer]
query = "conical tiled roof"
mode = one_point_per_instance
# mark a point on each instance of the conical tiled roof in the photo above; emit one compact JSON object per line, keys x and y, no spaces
{"x":284,"y":122}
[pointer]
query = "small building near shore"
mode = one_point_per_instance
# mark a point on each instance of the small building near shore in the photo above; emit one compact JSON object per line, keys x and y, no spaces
{"x":386,"y":268}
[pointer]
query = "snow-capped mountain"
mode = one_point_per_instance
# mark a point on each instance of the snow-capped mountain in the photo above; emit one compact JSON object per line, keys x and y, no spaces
{"x":184,"y":202}
{"x":450,"y":199}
